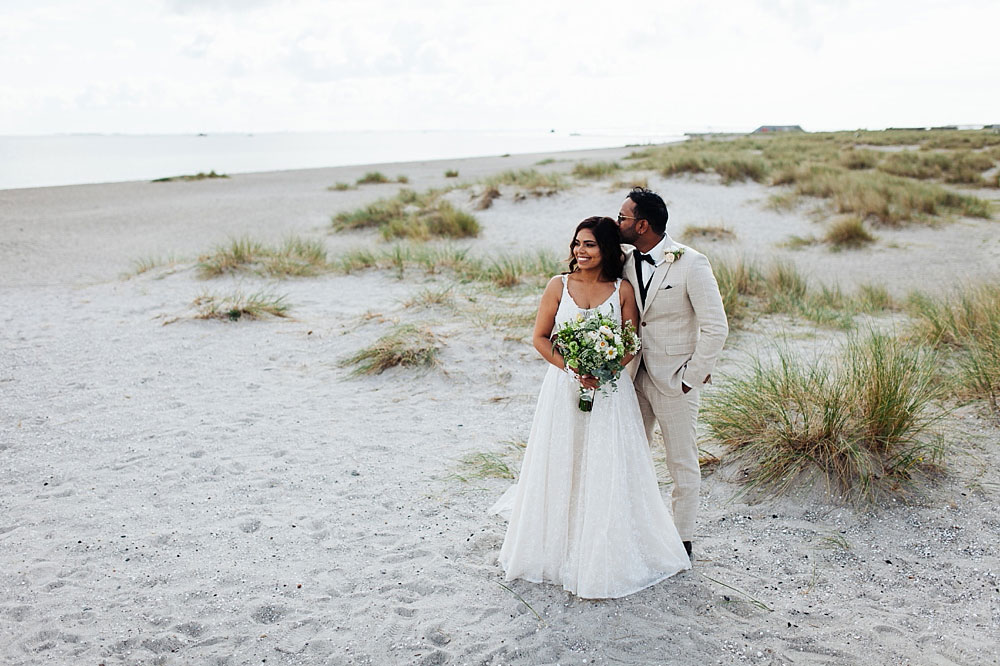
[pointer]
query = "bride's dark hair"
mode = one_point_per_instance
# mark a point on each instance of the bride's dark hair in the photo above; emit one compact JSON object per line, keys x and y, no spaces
{"x":608,"y":242}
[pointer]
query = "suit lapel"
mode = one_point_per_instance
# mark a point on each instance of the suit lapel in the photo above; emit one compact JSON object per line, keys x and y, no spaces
{"x":654,"y":284}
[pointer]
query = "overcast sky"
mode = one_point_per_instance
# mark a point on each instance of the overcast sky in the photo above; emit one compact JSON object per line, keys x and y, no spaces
{"x":166,"y":66}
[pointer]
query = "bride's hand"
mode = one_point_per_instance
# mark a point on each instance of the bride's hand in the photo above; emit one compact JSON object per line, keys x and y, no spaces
{"x":589,"y":382}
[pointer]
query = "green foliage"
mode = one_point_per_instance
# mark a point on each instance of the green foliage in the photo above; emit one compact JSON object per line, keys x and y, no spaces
{"x":595,"y":170}
{"x":451,"y":173}
{"x":532,"y":181}
{"x":341,"y":187}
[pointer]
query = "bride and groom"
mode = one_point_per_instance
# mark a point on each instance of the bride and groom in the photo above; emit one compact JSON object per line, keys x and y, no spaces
{"x":586,"y":512}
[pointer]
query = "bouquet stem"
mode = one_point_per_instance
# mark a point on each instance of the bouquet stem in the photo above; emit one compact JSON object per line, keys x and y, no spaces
{"x":586,"y":403}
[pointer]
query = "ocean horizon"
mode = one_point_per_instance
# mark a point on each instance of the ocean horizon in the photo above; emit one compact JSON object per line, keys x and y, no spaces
{"x":78,"y":159}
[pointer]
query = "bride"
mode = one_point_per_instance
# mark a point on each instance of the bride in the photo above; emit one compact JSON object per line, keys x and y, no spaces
{"x":586,"y":512}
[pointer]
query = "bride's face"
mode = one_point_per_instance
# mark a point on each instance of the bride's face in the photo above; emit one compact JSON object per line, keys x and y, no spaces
{"x":586,"y":250}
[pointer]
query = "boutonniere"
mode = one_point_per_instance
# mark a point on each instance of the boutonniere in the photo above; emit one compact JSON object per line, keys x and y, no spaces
{"x":672,"y":253}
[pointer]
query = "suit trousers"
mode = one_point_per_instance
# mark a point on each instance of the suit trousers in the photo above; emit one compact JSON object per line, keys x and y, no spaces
{"x":677,"y":416}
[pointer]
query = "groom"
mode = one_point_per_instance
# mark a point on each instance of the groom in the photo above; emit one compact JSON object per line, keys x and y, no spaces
{"x":683,"y":327}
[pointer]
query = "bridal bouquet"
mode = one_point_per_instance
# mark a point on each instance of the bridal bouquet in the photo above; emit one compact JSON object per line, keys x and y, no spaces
{"x":595,"y":345}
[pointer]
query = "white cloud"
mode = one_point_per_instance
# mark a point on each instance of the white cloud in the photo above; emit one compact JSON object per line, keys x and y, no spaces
{"x":218,"y":65}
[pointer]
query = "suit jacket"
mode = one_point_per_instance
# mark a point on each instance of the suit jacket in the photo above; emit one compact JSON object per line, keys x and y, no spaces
{"x":682,"y":322}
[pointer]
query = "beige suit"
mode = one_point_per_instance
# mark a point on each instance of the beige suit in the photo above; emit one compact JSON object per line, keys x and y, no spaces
{"x":683,"y":328}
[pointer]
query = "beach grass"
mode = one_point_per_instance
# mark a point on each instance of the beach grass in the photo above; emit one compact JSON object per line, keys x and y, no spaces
{"x":241,"y":305}
{"x":862,"y":421}
{"x":451,"y":173}
{"x":595,"y":170}
{"x":373,"y":178}
{"x":405,"y":345}
{"x":852,"y":171}
{"x":486,"y":198}
{"x":529,"y":181}
{"x":409,"y":215}
{"x":848,"y":232}
{"x":707,"y":232}
{"x":295,"y":257}
{"x":341,"y":187}
{"x":428,"y":297}
{"x":201,"y":175}
{"x":965,"y":323}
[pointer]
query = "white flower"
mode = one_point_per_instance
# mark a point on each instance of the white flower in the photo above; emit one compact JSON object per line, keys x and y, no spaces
{"x":593,"y":335}
{"x":579,"y":316}
{"x":602,"y":345}
{"x":611,"y":353}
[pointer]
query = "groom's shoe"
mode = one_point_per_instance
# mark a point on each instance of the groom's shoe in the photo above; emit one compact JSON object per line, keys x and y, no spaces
{"x":687,"y":547}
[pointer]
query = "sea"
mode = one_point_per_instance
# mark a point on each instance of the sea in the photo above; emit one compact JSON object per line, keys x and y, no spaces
{"x":73,"y":159}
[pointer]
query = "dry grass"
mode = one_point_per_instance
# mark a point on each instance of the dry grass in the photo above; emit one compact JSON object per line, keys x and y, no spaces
{"x":240,"y":305}
{"x":296,"y":257}
{"x":596,"y":170}
{"x":405,"y":346}
{"x":863,"y":421}
{"x":341,"y":187}
{"x":848,"y":233}
{"x":412,"y":216}
{"x":529,"y":181}
{"x":451,"y":173}
{"x":707,"y":232}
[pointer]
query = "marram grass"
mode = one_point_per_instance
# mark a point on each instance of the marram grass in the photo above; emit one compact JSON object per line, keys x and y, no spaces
{"x":295,"y":257}
{"x":410,"y":215}
{"x":406,"y":346}
{"x":241,"y":305}
{"x":863,"y":422}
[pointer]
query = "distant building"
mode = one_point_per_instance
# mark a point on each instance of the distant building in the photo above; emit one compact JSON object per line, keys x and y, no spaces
{"x":774,"y":129}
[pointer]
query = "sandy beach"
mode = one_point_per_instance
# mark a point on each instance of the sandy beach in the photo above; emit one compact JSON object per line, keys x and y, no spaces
{"x":187,"y":491}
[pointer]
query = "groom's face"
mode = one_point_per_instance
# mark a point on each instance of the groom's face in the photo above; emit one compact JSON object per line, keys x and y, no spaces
{"x":627,"y":222}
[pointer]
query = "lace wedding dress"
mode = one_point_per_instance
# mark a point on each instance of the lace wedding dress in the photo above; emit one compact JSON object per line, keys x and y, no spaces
{"x":586,"y":512}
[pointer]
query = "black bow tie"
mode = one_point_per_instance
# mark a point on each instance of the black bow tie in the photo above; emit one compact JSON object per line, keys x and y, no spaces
{"x":639,"y":256}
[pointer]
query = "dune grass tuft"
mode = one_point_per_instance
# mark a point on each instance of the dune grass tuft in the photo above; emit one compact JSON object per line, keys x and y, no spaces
{"x":296,"y":257}
{"x":451,"y":173}
{"x":848,"y":233}
{"x":967,"y":323}
{"x":341,"y":187}
{"x":707,"y":232}
{"x":530,"y":181}
{"x":596,"y":170}
{"x":863,"y":422}
{"x":411,"y":215}
{"x":405,"y":345}
{"x":373,"y":178}
{"x":241,"y":305}
{"x":201,"y":175}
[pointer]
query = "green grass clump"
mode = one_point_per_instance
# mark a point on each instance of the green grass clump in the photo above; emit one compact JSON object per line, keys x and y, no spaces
{"x":296,"y":257}
{"x":709,"y":232}
{"x":531,"y":181}
{"x":863,"y":422}
{"x":848,"y":233}
{"x":405,"y":345}
{"x":198,"y":176}
{"x":967,"y":323}
{"x":596,"y":170}
{"x":412,"y":216}
{"x":451,"y":173}
{"x":372,"y":177}
{"x":240,"y":305}
{"x":340,"y":187}
{"x":402,"y":179}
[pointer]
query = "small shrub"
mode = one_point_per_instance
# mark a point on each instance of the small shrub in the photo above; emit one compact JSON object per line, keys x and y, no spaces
{"x":372,"y":177}
{"x":530,"y":180}
{"x":402,"y":179}
{"x":340,"y":187}
{"x":405,"y":345}
{"x":411,"y":215}
{"x":451,"y":173}
{"x":296,"y":257}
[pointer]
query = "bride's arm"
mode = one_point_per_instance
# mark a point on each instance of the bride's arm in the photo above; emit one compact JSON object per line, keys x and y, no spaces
{"x":545,"y":321}
{"x":630,"y":311}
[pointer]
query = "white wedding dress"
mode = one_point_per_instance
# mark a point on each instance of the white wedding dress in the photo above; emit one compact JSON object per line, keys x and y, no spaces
{"x":586,"y":512}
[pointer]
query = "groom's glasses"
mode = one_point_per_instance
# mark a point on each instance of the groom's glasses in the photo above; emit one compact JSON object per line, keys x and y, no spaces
{"x":622,"y":218}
